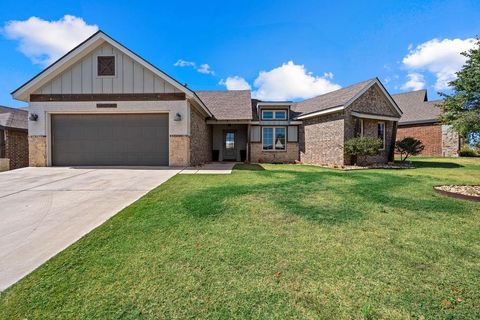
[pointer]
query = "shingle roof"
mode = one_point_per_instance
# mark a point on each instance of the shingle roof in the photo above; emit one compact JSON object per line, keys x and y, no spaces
{"x":416,"y":107}
{"x":329,"y":100}
{"x":13,"y":118}
{"x":228,"y":105}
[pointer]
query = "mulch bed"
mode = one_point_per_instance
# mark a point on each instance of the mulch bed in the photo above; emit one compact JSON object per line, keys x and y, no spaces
{"x":460,"y":191}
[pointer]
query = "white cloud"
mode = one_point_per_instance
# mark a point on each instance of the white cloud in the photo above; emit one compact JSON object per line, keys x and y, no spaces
{"x":45,"y":41}
{"x":235,"y":83}
{"x":291,"y":81}
{"x":205,"y":68}
{"x":416,"y":81}
{"x":440,"y":57}
{"x":184,"y":63}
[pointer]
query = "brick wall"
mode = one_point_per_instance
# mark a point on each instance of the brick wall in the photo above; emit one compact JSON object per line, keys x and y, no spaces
{"x":257,"y":154}
{"x":321,"y":139}
{"x":370,"y":129}
{"x":16,"y":148}
{"x":179,"y":151}
{"x":373,"y":101}
{"x":200,"y":139}
{"x":430,"y":135}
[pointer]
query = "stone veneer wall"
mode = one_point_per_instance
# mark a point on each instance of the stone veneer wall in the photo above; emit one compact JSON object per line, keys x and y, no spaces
{"x":201,"y":139}
{"x":179,"y":151}
{"x":258,"y":155}
{"x":16,"y":148}
{"x":450,"y":142}
{"x":430,"y":134}
{"x":321,"y":139}
{"x":37,"y":151}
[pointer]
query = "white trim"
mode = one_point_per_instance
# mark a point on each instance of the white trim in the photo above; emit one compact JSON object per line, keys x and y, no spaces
{"x":274,"y":130}
{"x":115,"y":58}
{"x":273,"y":103}
{"x":384,"y":129}
{"x":210,"y":121}
{"x":374,"y":116}
{"x":322,"y":112}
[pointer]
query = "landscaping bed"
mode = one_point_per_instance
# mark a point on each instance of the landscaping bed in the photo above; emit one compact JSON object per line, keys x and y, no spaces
{"x":467,"y":192}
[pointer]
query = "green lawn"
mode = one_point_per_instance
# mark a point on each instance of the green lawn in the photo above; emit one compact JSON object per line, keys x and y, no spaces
{"x":282,"y":241}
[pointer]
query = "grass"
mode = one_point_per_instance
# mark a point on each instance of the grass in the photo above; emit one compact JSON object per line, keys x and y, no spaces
{"x":274,"y":242}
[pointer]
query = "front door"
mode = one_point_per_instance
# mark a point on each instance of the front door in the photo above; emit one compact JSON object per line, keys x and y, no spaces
{"x":229,"y":146}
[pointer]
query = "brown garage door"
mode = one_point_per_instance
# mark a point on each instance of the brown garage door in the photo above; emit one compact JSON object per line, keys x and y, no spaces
{"x":110,"y":140}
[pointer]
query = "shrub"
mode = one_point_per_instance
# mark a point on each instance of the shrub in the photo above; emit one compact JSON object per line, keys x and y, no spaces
{"x":409,"y":146}
{"x":362,"y":146}
{"x":467,"y":152}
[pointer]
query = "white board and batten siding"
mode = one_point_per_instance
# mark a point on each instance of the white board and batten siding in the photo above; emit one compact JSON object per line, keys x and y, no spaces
{"x":130,"y":77}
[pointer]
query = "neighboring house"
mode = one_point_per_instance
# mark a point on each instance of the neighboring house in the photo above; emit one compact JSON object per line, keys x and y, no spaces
{"x":102,"y":104}
{"x":13,"y":138}
{"x":420,"y":120}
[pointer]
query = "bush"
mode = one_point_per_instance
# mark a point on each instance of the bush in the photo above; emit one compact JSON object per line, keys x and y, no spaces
{"x":362,"y":146}
{"x":409,"y":146}
{"x":467,"y":152}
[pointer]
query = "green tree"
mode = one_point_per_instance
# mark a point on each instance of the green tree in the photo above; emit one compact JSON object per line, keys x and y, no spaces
{"x":461,"y":109}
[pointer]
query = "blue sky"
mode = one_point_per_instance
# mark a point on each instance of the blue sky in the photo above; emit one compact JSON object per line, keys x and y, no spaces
{"x":281,"y":49}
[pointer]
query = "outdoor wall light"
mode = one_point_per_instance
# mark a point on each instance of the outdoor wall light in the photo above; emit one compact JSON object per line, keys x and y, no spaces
{"x":33,"y":117}
{"x":178,"y":117}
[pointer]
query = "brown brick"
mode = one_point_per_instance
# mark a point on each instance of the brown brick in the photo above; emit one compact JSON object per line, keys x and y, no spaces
{"x":16,"y":148}
{"x":429,"y":134}
{"x":257,"y":154}
{"x":200,"y":140}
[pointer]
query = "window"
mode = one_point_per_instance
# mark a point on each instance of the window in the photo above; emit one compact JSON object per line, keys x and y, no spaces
{"x":281,"y":115}
{"x":267,"y":115}
{"x":230,"y":140}
{"x":106,"y":66}
{"x":274,"y":115}
{"x":274,"y":138}
{"x":358,"y":129}
{"x":361,"y":128}
{"x":381,"y":133}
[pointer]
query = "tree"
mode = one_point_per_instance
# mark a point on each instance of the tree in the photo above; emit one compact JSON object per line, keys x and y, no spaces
{"x":409,"y":146}
{"x":461,"y":109}
{"x":362,"y":146}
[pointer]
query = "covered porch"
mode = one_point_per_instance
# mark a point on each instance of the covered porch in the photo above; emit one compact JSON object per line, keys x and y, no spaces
{"x":230,"y":141}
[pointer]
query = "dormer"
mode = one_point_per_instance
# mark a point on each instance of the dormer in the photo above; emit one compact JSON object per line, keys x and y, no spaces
{"x":274,"y":111}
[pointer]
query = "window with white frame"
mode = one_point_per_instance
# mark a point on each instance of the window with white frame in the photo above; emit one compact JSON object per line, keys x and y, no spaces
{"x":274,"y":114}
{"x":274,"y":138}
{"x":381,"y":133}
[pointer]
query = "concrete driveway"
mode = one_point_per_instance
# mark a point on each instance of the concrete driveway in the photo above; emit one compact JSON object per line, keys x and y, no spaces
{"x":44,"y":210}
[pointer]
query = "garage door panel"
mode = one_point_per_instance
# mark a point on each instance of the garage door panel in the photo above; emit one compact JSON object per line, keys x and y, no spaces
{"x":113,"y":139}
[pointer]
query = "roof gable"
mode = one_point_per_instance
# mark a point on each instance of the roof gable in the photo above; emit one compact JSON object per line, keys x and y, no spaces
{"x":340,"y":99}
{"x":97,"y":40}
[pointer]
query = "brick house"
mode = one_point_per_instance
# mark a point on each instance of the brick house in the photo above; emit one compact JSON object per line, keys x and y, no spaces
{"x":420,"y":120}
{"x":13,"y":138}
{"x":101,"y":104}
